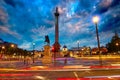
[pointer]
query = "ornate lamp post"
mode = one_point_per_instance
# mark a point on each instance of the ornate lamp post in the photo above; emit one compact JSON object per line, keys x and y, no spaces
{"x":33,"y":51}
{"x":3,"y":48}
{"x":96,"y":20}
{"x":13,"y":50}
{"x":12,"y":45}
{"x":78,"y":42}
{"x":117,"y":44}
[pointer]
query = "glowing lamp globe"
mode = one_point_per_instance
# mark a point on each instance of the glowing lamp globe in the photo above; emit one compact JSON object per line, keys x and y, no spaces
{"x":95,"y":19}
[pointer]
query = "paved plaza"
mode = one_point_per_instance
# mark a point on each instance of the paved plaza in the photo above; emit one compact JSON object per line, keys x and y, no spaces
{"x":80,"y":68}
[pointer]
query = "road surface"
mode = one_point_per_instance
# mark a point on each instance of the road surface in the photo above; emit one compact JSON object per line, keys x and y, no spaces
{"x":111,"y":74}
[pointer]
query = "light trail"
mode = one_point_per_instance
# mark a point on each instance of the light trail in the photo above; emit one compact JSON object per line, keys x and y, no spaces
{"x":16,"y":74}
{"x":76,"y":75}
{"x":40,"y":77}
{"x":113,"y":76}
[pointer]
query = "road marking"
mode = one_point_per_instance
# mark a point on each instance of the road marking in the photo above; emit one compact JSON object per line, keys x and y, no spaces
{"x":40,"y":77}
{"x":112,"y":76}
{"x":76,"y":75}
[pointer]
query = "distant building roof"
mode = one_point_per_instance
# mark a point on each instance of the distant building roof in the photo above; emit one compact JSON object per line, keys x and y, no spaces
{"x":64,"y":46}
{"x":8,"y":44}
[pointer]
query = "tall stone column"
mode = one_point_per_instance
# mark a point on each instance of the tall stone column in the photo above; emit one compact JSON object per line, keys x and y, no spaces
{"x":56,"y":45}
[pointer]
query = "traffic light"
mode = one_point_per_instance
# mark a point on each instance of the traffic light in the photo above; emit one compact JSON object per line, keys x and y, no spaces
{"x":53,"y":49}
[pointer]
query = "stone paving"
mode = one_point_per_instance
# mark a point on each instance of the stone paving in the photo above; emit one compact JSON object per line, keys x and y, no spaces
{"x":60,"y":63}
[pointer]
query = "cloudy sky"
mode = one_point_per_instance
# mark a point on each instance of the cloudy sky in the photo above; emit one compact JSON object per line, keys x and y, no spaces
{"x":26,"y":21}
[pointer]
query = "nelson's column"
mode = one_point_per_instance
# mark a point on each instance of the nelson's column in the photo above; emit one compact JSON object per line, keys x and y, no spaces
{"x":56,"y":45}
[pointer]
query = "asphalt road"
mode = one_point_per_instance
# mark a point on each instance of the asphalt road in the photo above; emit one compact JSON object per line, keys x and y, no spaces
{"x":56,"y":75}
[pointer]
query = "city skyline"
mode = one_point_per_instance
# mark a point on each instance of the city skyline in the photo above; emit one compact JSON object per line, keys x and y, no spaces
{"x":24,"y":22}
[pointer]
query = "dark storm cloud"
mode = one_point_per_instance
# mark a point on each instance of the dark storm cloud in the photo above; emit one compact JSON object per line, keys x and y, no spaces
{"x":10,"y":2}
{"x":111,"y":19}
{"x":14,"y":3}
{"x":102,"y":10}
{"x":114,"y":3}
{"x":112,"y":24}
{"x":105,"y":5}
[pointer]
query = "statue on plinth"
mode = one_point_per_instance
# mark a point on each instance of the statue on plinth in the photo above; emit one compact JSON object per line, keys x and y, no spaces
{"x":47,"y":58}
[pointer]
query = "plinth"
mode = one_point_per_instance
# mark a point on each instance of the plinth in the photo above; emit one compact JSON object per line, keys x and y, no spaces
{"x":47,"y":58}
{"x":56,"y":46}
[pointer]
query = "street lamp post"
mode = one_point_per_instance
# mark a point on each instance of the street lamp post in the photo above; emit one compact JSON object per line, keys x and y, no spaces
{"x":3,"y":48}
{"x":95,"y":20}
{"x":117,"y":44}
{"x":12,"y":46}
{"x":33,"y":51}
{"x":78,"y":44}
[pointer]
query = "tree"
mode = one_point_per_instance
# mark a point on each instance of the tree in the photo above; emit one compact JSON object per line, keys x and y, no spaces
{"x":114,"y":45}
